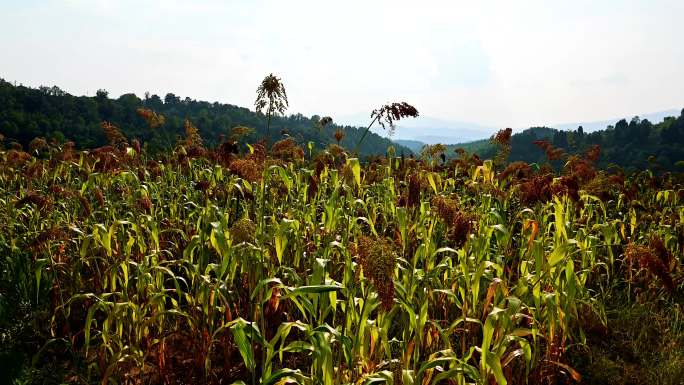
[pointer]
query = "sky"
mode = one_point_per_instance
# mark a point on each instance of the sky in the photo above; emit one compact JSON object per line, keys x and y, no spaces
{"x":495,"y":63}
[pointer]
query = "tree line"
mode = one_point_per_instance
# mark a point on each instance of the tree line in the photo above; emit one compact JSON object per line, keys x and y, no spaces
{"x":51,"y":113}
{"x":636,"y":144}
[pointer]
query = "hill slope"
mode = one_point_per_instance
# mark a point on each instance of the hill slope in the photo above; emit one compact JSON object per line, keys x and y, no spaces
{"x":637,"y":144}
{"x":26,"y":113}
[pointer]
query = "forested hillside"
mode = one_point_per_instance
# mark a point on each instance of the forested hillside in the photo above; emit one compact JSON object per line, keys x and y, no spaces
{"x":634,"y":145}
{"x":49,"y":112}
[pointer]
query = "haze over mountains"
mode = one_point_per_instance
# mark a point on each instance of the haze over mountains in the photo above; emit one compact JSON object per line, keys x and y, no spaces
{"x":413,"y":133}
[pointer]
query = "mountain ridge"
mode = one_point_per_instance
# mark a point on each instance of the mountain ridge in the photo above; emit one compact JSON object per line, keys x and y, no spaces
{"x":637,"y":144}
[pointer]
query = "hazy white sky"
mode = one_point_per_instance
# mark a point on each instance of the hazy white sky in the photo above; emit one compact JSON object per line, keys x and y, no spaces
{"x":497,"y":63}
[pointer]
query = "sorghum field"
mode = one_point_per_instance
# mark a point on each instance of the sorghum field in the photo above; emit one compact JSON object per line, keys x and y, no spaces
{"x":279,"y":264}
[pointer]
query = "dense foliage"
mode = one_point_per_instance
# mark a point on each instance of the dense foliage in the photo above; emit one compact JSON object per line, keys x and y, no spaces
{"x":49,"y":112}
{"x":634,"y":145}
{"x":206,"y":266}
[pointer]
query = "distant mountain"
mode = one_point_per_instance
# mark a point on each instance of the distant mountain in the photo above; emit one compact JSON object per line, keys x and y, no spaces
{"x":427,"y":130}
{"x":414,"y":145}
{"x":431,"y":130}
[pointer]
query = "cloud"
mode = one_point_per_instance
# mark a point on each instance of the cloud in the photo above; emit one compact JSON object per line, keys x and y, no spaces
{"x":609,"y":80}
{"x":499,"y":63}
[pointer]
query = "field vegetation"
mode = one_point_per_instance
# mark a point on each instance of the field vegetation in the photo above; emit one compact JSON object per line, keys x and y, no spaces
{"x":285,"y":263}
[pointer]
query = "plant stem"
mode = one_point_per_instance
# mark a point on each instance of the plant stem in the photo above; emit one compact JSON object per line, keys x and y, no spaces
{"x":356,"y":149}
{"x":268,"y":128}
